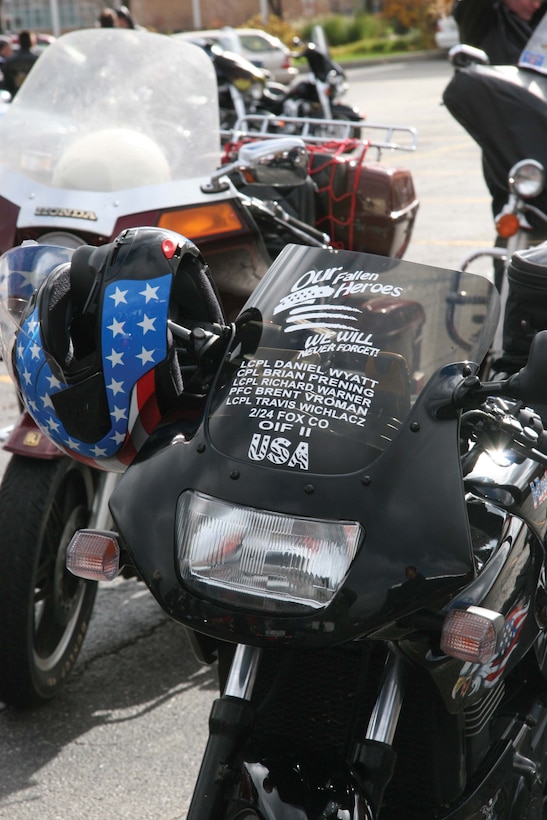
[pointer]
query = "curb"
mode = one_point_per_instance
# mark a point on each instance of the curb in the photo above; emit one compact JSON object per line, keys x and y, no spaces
{"x":405,"y":57}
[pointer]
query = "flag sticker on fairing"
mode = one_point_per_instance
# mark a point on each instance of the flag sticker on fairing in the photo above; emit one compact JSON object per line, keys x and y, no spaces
{"x":474,"y":676}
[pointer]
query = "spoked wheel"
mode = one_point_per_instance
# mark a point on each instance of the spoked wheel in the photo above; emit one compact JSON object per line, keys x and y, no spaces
{"x":44,"y":609}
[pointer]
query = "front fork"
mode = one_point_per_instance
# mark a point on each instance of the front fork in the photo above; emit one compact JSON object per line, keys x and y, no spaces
{"x":25,"y":439}
{"x":373,"y":758}
{"x":231,"y":722}
{"x":323,"y":90}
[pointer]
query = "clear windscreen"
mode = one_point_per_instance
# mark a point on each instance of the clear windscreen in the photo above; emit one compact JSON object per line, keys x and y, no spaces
{"x":111,"y":109}
{"x":22,"y":271}
{"x":334,"y":350}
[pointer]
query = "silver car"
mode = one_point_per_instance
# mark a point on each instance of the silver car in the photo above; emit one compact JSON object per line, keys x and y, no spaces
{"x":446,"y":33}
{"x":260,"y":47}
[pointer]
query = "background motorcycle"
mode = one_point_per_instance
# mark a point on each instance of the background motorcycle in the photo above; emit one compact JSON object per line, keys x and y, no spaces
{"x":353,"y":692}
{"x":504,"y":109}
{"x":80,"y":175}
{"x":325,"y":84}
{"x":246,"y":90}
{"x":242,"y":86}
{"x":317,"y":94}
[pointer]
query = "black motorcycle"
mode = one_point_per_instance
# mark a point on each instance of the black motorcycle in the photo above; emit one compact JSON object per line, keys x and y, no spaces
{"x":246,"y":90}
{"x":242,"y":86}
{"x":344,"y":516}
{"x":315,"y":95}
{"x":242,"y":213}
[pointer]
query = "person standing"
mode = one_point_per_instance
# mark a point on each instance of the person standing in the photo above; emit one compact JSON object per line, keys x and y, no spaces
{"x":6,"y":51}
{"x":125,"y":18}
{"x":17,"y":67}
{"x":501,"y":28}
{"x":107,"y":18}
{"x":506,"y":120}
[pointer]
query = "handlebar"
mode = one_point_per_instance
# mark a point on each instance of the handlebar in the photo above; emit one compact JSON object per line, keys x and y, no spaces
{"x":500,"y":425}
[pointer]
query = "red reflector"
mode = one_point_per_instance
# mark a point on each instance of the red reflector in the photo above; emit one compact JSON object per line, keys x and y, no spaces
{"x":169,"y":247}
{"x":94,"y":555}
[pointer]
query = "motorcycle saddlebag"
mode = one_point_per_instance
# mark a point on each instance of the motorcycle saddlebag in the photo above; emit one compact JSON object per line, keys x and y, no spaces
{"x":526,"y":306}
{"x":363,"y":206}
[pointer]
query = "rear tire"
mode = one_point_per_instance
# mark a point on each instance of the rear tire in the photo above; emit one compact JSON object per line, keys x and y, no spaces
{"x":44,"y":609}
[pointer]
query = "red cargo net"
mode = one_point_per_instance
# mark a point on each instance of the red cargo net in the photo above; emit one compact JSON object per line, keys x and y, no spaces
{"x":335,"y":167}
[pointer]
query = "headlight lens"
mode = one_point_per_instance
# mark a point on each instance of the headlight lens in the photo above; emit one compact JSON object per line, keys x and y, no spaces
{"x":255,"y":559}
{"x":527,"y":178}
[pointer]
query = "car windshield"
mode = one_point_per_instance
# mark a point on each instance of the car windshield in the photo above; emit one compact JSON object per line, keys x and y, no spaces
{"x":111,"y":109}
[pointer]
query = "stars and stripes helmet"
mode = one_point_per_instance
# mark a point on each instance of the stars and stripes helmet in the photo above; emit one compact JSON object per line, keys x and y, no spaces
{"x":94,"y":357}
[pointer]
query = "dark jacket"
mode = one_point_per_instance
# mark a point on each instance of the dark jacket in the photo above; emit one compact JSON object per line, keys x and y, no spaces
{"x":488,"y":24}
{"x":16,"y":68}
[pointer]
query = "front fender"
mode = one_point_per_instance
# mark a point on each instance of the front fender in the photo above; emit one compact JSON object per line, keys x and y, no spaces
{"x":27,"y":440}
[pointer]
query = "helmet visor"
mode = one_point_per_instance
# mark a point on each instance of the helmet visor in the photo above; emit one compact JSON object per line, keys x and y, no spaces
{"x":22,"y":271}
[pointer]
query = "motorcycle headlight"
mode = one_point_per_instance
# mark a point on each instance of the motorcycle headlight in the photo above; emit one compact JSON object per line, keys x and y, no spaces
{"x":262,"y":560}
{"x":527,"y":178}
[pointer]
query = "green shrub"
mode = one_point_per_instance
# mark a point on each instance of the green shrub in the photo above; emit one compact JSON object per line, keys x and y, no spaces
{"x":366,"y":27}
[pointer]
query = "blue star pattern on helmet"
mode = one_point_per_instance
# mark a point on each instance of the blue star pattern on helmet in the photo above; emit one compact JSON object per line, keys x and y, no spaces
{"x":134,"y":341}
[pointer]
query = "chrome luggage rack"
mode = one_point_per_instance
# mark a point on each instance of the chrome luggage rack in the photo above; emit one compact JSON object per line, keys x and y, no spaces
{"x":381,"y":137}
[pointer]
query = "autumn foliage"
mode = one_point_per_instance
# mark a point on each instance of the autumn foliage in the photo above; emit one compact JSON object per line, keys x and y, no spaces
{"x":418,"y":14}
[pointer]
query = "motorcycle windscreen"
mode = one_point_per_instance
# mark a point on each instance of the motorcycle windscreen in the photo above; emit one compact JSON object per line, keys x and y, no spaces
{"x":332,"y":351}
{"x":22,"y":271}
{"x":114,"y":109}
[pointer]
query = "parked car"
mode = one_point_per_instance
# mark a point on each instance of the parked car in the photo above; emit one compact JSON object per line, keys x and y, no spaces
{"x":260,"y":47}
{"x":446,"y":33}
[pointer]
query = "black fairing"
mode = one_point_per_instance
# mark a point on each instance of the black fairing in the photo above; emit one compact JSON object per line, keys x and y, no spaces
{"x":394,"y":468}
{"x":321,"y":64}
{"x":234,"y":67}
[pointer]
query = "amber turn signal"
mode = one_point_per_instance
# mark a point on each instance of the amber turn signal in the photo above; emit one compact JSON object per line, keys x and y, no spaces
{"x":208,"y":220}
{"x":94,"y":555}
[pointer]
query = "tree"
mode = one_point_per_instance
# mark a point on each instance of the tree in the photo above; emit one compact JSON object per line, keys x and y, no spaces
{"x":276,"y":7}
{"x":419,"y":14}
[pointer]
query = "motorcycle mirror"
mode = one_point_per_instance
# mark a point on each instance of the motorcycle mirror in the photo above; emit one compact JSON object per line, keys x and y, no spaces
{"x":280,"y":162}
{"x":529,"y":384}
{"x":462,"y":56}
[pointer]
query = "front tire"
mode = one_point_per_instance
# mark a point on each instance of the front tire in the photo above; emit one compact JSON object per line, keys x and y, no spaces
{"x":44,"y":609}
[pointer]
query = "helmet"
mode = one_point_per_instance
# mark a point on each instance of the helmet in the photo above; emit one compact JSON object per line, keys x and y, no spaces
{"x":94,"y":358}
